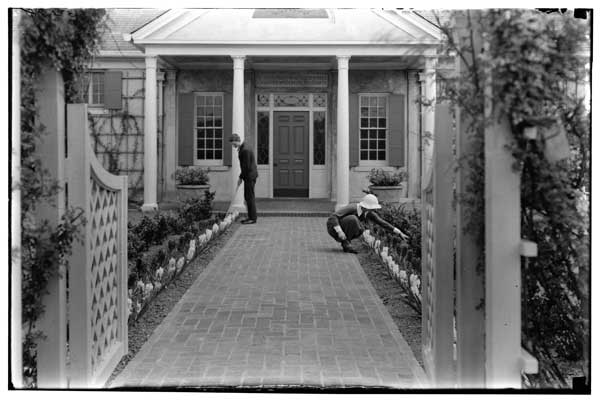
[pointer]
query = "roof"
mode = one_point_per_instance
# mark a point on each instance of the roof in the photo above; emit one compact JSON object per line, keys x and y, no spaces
{"x":125,"y":20}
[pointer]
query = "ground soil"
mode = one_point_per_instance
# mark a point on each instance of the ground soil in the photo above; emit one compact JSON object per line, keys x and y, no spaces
{"x":160,"y":307}
{"x":406,"y":318}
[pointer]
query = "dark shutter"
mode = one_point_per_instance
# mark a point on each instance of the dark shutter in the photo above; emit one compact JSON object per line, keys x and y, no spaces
{"x":353,"y":128}
{"x":397,"y":128}
{"x":227,"y":115}
{"x":112,"y":90}
{"x":186,"y":129}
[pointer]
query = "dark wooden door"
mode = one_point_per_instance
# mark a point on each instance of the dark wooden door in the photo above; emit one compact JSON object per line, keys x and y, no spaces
{"x":290,"y":150}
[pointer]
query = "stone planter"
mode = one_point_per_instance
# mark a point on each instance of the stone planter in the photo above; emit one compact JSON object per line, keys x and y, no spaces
{"x":185,"y":192}
{"x":391,"y":194}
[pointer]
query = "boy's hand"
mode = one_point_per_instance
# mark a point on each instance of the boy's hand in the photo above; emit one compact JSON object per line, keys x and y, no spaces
{"x":401,"y":234}
{"x":340,"y":232}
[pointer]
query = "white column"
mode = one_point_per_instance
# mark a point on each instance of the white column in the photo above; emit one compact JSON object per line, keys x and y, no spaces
{"x":428,"y":78}
{"x":237,"y":126}
{"x":343,"y":143}
{"x":150,"y":153}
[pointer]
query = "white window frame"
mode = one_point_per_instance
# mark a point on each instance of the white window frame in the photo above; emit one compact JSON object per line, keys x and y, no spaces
{"x":90,"y":94}
{"x":375,"y":163}
{"x":208,"y":162}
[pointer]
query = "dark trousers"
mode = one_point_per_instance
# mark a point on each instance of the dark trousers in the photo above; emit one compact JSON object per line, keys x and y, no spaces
{"x":351,"y":226}
{"x":249,"y":198}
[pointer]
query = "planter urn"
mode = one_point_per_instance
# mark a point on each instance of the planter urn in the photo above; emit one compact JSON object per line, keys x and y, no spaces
{"x":388,"y":194}
{"x":189,"y":191}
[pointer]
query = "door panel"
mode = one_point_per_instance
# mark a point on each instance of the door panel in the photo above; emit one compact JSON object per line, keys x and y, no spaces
{"x":290,"y":161}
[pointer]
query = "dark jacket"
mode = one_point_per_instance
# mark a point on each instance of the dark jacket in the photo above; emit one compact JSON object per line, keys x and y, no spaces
{"x":367,"y":215}
{"x":247,"y":163}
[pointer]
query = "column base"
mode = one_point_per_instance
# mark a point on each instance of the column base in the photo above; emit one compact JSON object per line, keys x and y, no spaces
{"x":149,"y":207}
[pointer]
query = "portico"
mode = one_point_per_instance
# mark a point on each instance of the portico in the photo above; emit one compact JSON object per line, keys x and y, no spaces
{"x":355,"y":92}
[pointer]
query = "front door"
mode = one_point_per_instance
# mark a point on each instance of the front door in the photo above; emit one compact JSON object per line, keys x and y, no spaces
{"x":290,"y":150}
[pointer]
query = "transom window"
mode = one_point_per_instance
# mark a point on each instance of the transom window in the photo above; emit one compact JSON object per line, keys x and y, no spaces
{"x":96,"y":88}
{"x":373,"y":128}
{"x":209,"y":126}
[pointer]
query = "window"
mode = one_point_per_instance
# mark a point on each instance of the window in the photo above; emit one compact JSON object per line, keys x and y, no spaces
{"x":209,"y":127}
{"x":96,"y":88}
{"x":262,"y":138}
{"x":373,"y":128}
{"x":319,"y":137}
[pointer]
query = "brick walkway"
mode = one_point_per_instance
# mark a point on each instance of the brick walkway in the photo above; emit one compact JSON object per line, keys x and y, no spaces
{"x":279,"y":305}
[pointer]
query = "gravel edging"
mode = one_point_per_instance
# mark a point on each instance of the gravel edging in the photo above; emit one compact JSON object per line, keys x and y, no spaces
{"x":406,"y":319}
{"x":164,"y":302}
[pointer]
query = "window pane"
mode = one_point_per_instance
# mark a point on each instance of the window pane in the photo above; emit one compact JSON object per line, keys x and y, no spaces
{"x":218,"y":100}
{"x":364,"y":155}
{"x":364,"y":144}
{"x":200,"y":100}
{"x":209,"y":154}
{"x":262,"y":137}
{"x":373,"y":101}
{"x":364,"y":134}
{"x":218,"y":144}
{"x":381,"y":134}
{"x":209,"y":100}
{"x":381,"y":144}
{"x":364,"y":101}
{"x":373,"y":144}
{"x":364,"y":112}
{"x":381,"y":154}
{"x":373,"y":122}
{"x":319,"y":138}
{"x":372,"y":155}
{"x":218,"y":133}
{"x":381,"y":112}
{"x":218,"y":154}
{"x":364,"y":122}
{"x":382,"y":122}
{"x":373,"y":134}
{"x":200,"y":154}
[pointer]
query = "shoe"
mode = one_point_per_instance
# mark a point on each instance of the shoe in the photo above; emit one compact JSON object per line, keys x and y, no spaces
{"x":248,"y":221}
{"x":347,"y":247}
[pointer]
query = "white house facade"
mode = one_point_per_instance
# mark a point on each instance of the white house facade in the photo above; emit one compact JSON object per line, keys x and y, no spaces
{"x":321,"y":95}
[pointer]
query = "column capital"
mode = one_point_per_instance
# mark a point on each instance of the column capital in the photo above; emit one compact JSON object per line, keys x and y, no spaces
{"x":171,"y":75}
{"x":238,"y":61}
{"x":343,"y":61}
{"x":151,"y":61}
{"x":431,"y":63}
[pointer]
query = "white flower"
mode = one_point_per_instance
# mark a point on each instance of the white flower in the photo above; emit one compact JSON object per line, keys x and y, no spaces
{"x":193,"y":243}
{"x":202,"y":239}
{"x":148,"y":289}
{"x":208,"y":234}
{"x":377,"y":244}
{"x":367,"y":233}
{"x":157,"y":285}
{"x":129,"y":306}
{"x":180,"y":263}
{"x":395,"y":270}
{"x":190,"y":253}
{"x":138,"y":307}
{"x":130,"y":292}
{"x":172,"y":265}
{"x":140,"y":285}
{"x":222,"y":226}
{"x":403,"y":276}
{"x":159,"y":272}
{"x":215,"y":228}
{"x":385,"y":250}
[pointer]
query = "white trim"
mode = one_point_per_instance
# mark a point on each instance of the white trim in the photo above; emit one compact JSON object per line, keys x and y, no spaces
{"x":183,"y":20}
{"x":291,"y":49}
{"x":209,"y":162}
{"x":420,"y":23}
{"x":156,"y":24}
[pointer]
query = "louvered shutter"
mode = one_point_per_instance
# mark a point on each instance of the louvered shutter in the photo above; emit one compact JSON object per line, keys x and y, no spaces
{"x":113,"y":90}
{"x":186,"y":129}
{"x":397,"y":128}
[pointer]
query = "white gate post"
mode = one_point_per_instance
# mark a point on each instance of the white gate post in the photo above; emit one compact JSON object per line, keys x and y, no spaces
{"x":78,"y":177}
{"x":502,"y":255}
{"x":16,"y":281}
{"x":51,"y":361}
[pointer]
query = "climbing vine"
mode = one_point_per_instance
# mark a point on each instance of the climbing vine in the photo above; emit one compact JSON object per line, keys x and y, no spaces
{"x":65,"y":40}
{"x":535,"y":61}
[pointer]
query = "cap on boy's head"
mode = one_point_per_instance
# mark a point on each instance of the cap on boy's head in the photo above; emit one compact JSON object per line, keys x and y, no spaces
{"x":235,"y":138}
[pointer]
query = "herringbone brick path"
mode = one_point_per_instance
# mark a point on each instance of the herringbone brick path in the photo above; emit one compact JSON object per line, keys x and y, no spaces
{"x":279,"y":305}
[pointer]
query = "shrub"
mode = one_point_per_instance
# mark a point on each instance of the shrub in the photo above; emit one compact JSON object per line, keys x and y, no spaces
{"x":382,"y":178}
{"x":191,"y":176}
{"x":194,"y":209}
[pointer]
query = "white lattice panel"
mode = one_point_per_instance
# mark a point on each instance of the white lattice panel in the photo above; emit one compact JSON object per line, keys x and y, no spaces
{"x":104,"y":271}
{"x":428,"y":292}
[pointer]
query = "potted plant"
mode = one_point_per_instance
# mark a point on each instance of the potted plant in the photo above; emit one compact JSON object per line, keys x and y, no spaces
{"x":387,"y":186}
{"x":191,"y":182}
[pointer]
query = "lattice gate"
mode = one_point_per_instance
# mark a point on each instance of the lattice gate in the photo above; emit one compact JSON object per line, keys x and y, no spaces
{"x":97,"y":306}
{"x":437,"y":256}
